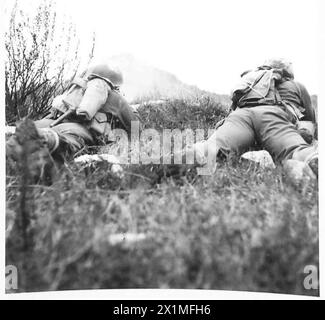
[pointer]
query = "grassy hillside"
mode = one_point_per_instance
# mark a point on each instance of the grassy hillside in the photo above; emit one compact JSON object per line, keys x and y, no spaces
{"x":244,"y":228}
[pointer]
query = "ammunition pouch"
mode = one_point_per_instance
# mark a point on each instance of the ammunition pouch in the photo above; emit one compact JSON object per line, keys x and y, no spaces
{"x":94,"y":98}
{"x":100,"y":124}
{"x":70,"y":99}
{"x":74,"y":96}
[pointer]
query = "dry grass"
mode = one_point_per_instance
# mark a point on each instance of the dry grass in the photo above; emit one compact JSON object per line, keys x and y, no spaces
{"x":245,"y":228}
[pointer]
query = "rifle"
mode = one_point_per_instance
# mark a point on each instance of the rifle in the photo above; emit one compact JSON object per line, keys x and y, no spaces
{"x":70,"y":111}
{"x":62,"y":117}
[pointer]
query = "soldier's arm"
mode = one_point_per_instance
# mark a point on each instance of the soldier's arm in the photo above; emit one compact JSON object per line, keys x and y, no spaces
{"x":309,"y":114}
{"x":308,"y":124}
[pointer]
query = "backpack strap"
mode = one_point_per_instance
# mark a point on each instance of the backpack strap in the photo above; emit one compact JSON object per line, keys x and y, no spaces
{"x":93,"y":76}
{"x":79,"y":82}
{"x":277,"y":97}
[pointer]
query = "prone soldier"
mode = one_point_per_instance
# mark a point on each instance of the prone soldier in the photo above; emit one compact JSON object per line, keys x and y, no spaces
{"x":83,"y":115}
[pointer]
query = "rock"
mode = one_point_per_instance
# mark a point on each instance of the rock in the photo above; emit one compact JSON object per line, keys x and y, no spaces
{"x":10,"y":130}
{"x":126,"y":238}
{"x":89,"y":158}
{"x":150,"y":102}
{"x":262,"y":157}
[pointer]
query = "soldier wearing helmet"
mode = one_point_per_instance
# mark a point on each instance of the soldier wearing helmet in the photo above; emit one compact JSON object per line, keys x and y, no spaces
{"x":83,"y":115}
{"x":266,"y":122}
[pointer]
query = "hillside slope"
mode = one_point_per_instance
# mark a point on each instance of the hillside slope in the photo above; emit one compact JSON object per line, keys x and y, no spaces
{"x":145,"y":82}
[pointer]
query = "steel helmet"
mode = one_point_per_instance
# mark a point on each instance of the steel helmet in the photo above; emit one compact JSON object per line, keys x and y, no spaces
{"x":281,"y":63}
{"x":112,"y":76}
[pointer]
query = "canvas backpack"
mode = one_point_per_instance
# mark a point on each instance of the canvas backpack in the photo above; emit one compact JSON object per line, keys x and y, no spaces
{"x":257,"y":87}
{"x":114,"y":112}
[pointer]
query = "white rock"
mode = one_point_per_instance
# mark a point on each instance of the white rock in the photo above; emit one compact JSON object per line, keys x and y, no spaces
{"x":10,"y":129}
{"x":117,"y":238}
{"x":88,"y":158}
{"x":262,"y":157}
{"x":116,"y":168}
{"x":150,"y":102}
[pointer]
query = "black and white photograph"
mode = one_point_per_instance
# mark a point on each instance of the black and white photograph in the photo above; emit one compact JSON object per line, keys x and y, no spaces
{"x":161,"y":145}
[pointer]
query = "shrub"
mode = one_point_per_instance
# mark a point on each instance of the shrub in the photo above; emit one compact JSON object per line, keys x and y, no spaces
{"x":41,"y":56}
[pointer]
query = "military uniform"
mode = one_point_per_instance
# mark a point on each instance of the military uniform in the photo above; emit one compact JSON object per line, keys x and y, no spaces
{"x":99,"y":107}
{"x":271,"y":127}
{"x":93,"y":106}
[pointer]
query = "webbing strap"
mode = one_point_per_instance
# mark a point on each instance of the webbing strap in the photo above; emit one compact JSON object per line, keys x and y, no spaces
{"x":277,"y":96}
{"x":80,"y":82}
{"x":109,"y":82}
{"x":292,"y":111}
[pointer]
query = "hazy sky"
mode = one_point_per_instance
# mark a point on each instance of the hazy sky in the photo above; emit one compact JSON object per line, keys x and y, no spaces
{"x":207,"y":42}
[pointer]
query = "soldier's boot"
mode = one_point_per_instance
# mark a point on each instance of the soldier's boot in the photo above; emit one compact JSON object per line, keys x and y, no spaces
{"x":313,"y":163}
{"x":306,"y":159}
{"x":51,"y":138}
{"x":301,"y":173}
{"x":30,"y":151}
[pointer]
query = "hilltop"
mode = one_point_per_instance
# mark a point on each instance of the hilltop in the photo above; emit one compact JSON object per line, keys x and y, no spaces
{"x":145,"y":82}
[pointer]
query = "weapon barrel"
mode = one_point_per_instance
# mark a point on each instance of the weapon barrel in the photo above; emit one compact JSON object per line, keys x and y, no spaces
{"x":62,"y":117}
